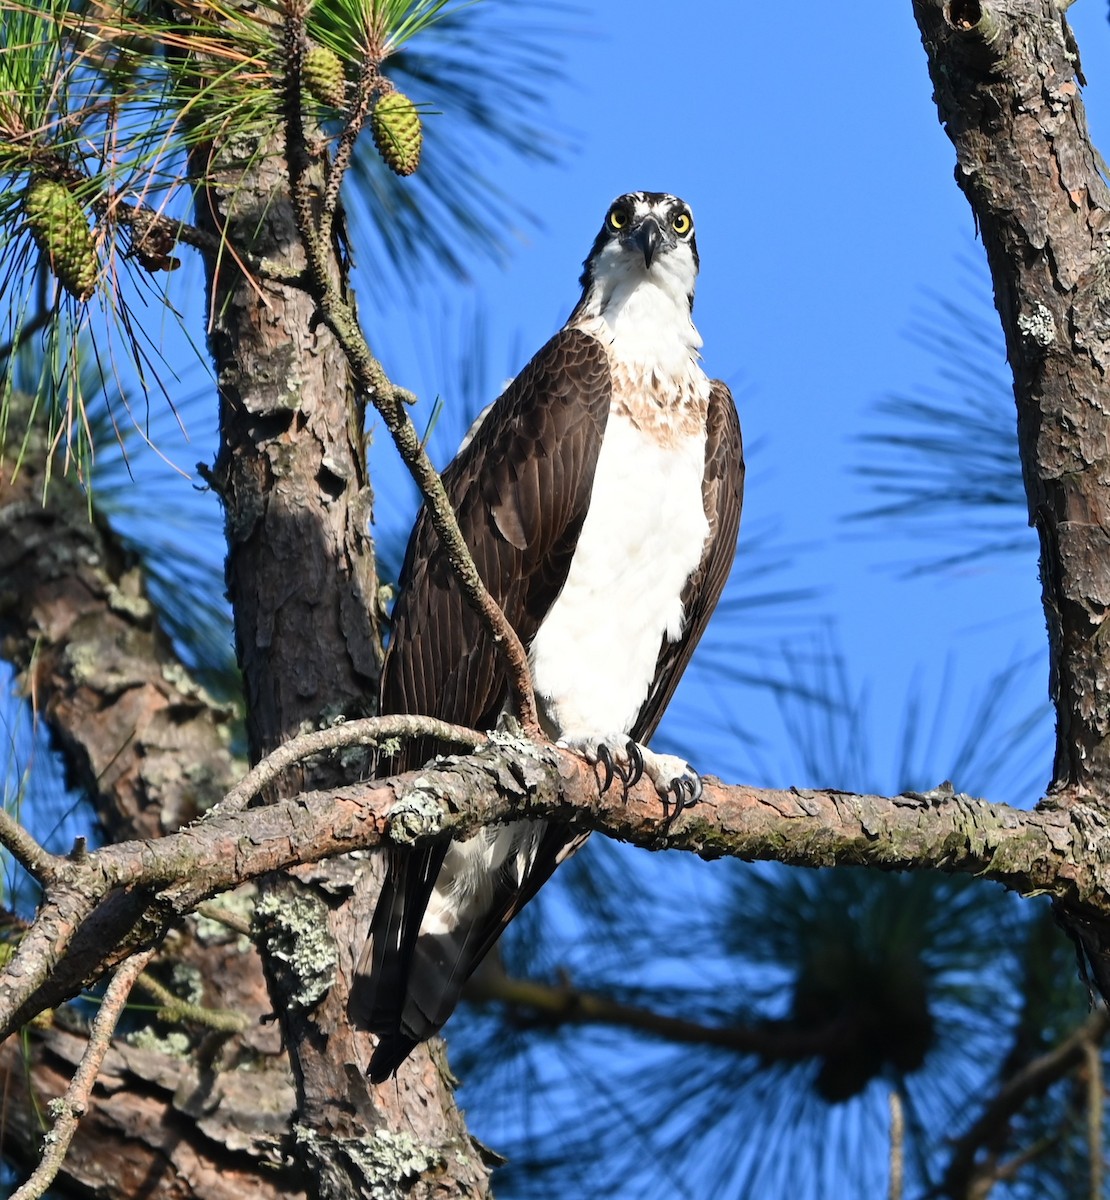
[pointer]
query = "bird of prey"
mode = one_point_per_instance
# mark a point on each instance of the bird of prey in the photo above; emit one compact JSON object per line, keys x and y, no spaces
{"x":600,"y":499}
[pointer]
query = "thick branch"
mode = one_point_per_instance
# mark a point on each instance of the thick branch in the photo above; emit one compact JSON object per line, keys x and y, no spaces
{"x":131,"y":890}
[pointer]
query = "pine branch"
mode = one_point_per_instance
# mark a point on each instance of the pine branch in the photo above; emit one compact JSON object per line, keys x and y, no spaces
{"x":565,"y":1004}
{"x":390,"y":401}
{"x":100,"y":908}
{"x":966,"y":1177}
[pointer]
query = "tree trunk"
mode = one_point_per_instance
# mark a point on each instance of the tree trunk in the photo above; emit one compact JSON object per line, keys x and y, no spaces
{"x":1005,"y":78}
{"x":1004,"y":74}
{"x":301,"y":577}
{"x":151,"y":750}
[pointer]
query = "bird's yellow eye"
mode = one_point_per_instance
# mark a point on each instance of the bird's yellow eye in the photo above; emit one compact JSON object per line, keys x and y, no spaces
{"x":681,"y":224}
{"x":617,"y":218}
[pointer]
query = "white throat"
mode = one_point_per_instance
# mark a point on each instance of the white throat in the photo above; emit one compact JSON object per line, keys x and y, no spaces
{"x":643,"y":314}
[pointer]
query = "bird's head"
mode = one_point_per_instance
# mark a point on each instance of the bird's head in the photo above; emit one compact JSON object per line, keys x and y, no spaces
{"x":645,"y":237}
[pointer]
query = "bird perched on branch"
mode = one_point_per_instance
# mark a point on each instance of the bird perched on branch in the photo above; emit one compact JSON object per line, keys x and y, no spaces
{"x":600,"y":499}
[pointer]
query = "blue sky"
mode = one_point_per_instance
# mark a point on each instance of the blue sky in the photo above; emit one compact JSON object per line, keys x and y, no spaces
{"x":829,"y":224}
{"x":827,"y":220}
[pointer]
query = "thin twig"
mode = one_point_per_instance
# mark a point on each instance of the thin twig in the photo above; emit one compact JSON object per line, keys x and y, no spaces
{"x":897,"y":1146}
{"x":144,"y":220}
{"x":367,"y":731}
{"x":176,"y":1011}
{"x":442,"y":515}
{"x":1032,"y":1080}
{"x":26,"y":851}
{"x":388,"y":399}
{"x":222,"y":916}
{"x":1093,"y":1058}
{"x":72,"y":1106}
{"x":297,"y":157}
{"x":369,"y":84}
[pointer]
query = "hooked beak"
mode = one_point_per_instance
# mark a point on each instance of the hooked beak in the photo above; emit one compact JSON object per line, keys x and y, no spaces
{"x":648,"y":237}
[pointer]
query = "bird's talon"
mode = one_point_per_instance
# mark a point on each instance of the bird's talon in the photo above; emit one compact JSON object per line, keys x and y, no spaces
{"x":607,"y":766}
{"x":635,"y":764}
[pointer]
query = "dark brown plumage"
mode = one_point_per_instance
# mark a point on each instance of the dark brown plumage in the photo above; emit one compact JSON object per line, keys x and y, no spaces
{"x":522,"y":490}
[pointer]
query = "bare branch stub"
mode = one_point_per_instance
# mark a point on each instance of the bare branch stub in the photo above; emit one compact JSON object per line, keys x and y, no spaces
{"x":38,"y":862}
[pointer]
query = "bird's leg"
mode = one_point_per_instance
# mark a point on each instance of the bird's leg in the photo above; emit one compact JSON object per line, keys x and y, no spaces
{"x":622,"y":758}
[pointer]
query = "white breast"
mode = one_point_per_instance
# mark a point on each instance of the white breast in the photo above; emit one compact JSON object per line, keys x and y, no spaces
{"x":594,"y":656}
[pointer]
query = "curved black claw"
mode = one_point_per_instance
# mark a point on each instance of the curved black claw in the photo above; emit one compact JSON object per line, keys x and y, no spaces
{"x":635,"y":764}
{"x":685,"y":791}
{"x":605,"y":758}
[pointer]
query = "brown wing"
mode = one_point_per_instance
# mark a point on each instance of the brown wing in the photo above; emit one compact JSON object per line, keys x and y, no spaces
{"x":722,"y":491}
{"x":520,"y":489}
{"x":722,"y":494}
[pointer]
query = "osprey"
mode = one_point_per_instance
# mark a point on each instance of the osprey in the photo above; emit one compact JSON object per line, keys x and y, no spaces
{"x":600,"y":498}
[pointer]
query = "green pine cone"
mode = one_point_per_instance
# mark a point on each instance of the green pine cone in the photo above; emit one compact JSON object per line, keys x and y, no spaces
{"x":61,"y":231}
{"x":323,"y":77}
{"x":397,"y":132}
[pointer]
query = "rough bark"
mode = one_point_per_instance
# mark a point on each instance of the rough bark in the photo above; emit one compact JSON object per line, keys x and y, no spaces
{"x":151,"y":750}
{"x":1006,"y":77}
{"x":1006,"y":87}
{"x":139,"y":736}
{"x":302,"y":582}
{"x":157,"y":1125}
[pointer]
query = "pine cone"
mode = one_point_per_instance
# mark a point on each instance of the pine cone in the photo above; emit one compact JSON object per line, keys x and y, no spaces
{"x":61,"y":231}
{"x":397,"y":132}
{"x":324,"y":78}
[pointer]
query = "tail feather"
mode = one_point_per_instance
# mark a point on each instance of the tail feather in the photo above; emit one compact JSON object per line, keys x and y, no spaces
{"x":390,"y":1052}
{"x":380,"y":982}
{"x":438,"y":969}
{"x":437,"y":918}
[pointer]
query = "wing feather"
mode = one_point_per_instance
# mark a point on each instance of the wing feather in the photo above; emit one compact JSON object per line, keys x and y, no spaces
{"x":521,"y":489}
{"x":723,"y":496}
